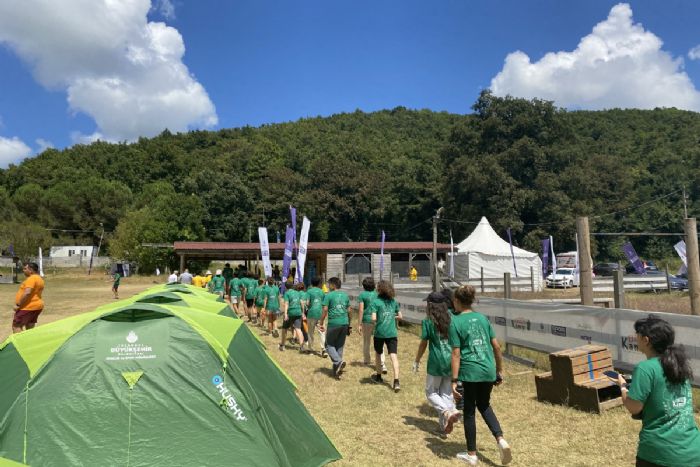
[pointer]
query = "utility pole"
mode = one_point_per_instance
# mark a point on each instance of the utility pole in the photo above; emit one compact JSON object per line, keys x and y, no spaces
{"x":584,"y":261}
{"x":98,"y":248}
{"x":691,"y":242}
{"x":685,"y":204}
{"x":433,"y":259}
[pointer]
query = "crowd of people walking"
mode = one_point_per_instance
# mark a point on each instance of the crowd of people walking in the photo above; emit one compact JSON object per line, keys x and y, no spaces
{"x":464,"y":361}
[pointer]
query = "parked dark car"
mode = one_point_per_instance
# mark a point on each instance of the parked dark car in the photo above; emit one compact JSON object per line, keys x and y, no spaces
{"x":676,"y":282}
{"x":605,"y":269}
{"x":649,"y":267}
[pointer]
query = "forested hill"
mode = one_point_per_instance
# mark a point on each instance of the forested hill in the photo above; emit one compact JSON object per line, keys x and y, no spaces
{"x":518,"y":162}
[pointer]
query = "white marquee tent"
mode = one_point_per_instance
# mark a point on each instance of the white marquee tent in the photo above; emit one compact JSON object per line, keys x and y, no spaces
{"x":483,"y":248}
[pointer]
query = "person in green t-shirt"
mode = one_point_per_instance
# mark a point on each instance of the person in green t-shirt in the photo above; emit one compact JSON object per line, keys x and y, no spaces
{"x":228,"y":275}
{"x":234,"y":291}
{"x":335,"y":306}
{"x":434,"y":336}
{"x":115,"y":285}
{"x":660,"y":391}
{"x":271,"y":308}
{"x":365,"y":315}
{"x":218,"y":284}
{"x":260,"y":294}
{"x":251,"y":282}
{"x":478,"y":363}
{"x":384,"y":311}
{"x":313,"y":314}
{"x":293,"y":315}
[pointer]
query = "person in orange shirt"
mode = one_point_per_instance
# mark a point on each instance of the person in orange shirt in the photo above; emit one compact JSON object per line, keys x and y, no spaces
{"x":28,"y":302}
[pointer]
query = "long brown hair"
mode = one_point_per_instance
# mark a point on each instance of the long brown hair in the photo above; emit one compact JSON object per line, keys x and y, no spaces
{"x":440,"y":316}
{"x":385,"y":290}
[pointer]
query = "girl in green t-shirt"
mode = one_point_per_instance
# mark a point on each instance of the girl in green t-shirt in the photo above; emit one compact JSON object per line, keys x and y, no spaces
{"x":366,"y":328}
{"x":478,"y":363}
{"x":660,"y":391}
{"x":385,"y":312}
{"x":434,"y":336}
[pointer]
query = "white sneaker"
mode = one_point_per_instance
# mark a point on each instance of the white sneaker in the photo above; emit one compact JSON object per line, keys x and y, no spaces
{"x":504,"y":448}
{"x":468,"y":458}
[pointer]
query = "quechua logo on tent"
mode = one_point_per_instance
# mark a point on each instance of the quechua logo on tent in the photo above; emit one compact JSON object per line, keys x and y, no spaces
{"x":227,"y":398}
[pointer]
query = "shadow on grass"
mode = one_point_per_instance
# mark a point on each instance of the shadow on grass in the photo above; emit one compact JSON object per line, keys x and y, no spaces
{"x":423,"y":424}
{"x":449,"y":449}
{"x":368,"y":380}
{"x":326,"y":371}
{"x":426,"y":409}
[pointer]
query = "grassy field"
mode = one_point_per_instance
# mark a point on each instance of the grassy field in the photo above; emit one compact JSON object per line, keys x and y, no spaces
{"x":370,"y":425}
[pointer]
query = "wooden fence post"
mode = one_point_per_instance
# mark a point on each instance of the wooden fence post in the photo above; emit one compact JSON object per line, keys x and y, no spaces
{"x":532,"y":279}
{"x":482,"y":279}
{"x":506,"y":285}
{"x":618,"y":289}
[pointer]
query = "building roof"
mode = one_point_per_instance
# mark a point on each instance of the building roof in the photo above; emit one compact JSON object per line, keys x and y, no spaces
{"x":228,"y":249}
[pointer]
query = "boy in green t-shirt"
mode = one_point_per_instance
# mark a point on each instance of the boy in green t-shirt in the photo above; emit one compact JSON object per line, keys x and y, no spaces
{"x":260,"y":294}
{"x":271,"y":307}
{"x":115,"y":284}
{"x":385,"y":312}
{"x":234,"y":291}
{"x":335,"y":307}
{"x":313,"y":314}
{"x":218,"y":284}
{"x":293,"y":315}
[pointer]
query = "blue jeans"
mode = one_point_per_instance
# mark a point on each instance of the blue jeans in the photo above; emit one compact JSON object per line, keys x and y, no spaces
{"x":335,"y":341}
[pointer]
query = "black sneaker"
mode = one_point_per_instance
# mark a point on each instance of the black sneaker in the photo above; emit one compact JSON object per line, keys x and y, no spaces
{"x":324,"y":354}
{"x":281,"y":347}
{"x":376,"y":378}
{"x":397,"y":386}
{"x":275,"y":333}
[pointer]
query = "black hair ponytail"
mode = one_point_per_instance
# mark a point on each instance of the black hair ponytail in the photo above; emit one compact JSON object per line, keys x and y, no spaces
{"x":672,"y":357}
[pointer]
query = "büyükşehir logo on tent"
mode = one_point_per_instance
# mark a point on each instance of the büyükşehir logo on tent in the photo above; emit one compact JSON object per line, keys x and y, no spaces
{"x":132,"y":337}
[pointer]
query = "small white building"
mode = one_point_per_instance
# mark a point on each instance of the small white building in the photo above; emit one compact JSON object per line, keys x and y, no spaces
{"x":71,"y":250}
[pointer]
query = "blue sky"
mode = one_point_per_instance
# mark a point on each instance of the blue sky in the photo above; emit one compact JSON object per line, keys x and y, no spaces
{"x":86,"y":70}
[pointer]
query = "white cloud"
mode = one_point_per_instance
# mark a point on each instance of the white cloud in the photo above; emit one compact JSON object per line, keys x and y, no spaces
{"x":123,"y":71}
{"x":165,"y":8}
{"x":619,"y":64}
{"x":12,"y":151}
{"x":694,"y":53}
{"x":43,"y":144}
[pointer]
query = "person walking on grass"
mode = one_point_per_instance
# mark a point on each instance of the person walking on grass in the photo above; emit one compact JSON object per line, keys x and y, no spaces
{"x":366,"y":329}
{"x":260,"y":294}
{"x":218,"y":284}
{"x":186,"y":277}
{"x":28,"y":302}
{"x":293,"y":315}
{"x":250,"y":285}
{"x":385,"y":313}
{"x":434,"y":336}
{"x":478,"y":363}
{"x":234,"y":290}
{"x":313,"y":314}
{"x":336,"y":304}
{"x":271,"y":308}
{"x":660,"y":394}
{"x":115,"y":284}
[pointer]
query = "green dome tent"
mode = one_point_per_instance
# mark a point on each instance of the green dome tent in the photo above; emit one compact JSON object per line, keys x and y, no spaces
{"x":146,"y":384}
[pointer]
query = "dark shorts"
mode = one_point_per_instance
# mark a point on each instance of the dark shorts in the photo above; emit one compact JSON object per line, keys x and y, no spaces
{"x":24,"y":317}
{"x":115,"y":287}
{"x":249,"y":301}
{"x":392,"y":344}
{"x":292,"y":321}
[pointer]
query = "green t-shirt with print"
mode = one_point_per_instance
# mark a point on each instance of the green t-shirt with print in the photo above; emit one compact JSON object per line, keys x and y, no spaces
{"x":315,"y":303}
{"x":235,"y":286}
{"x":250,"y":286}
{"x":260,"y":294}
{"x":366,"y":298}
{"x":338,"y":303}
{"x":273,"y":300}
{"x":386,"y":311}
{"x":218,"y":284}
{"x":471,"y":333}
{"x":293,"y":299}
{"x":669,"y":435}
{"x":228,"y":274}
{"x":439,"y":350}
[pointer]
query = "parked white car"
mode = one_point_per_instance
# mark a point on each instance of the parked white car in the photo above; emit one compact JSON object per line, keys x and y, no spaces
{"x":562,"y":278}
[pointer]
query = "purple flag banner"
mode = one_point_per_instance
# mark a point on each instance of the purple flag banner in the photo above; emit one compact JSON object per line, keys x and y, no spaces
{"x":287,"y":259}
{"x":545,"y":257}
{"x":381,"y":258}
{"x":293,"y":213}
{"x":510,"y":240}
{"x":633,"y":258}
